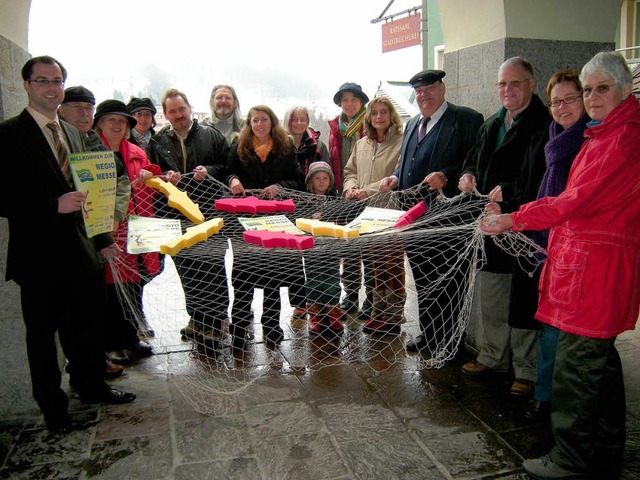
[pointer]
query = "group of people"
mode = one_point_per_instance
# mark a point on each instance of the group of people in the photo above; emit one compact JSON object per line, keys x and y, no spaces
{"x":564,"y":169}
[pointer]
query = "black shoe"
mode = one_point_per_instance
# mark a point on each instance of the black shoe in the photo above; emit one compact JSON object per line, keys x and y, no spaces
{"x":350,"y":302}
{"x":417,"y":344}
{"x":239,"y":336}
{"x":58,"y":424}
{"x":110,"y":396}
{"x":274,"y":337}
{"x":539,"y":411}
{"x":138,"y":350}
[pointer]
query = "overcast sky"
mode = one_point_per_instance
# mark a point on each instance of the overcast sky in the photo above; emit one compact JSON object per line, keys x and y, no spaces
{"x":276,"y":52}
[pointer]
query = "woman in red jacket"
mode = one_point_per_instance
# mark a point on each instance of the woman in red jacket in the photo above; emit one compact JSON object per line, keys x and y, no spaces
{"x":589,"y":284}
{"x":113,"y":123}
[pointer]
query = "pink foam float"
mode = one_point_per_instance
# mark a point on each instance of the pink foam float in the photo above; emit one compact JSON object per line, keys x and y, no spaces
{"x":267,"y":239}
{"x":254,"y":205}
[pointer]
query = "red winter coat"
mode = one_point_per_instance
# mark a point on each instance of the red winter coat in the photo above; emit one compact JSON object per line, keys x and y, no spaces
{"x":590,"y":284}
{"x":135,"y":159}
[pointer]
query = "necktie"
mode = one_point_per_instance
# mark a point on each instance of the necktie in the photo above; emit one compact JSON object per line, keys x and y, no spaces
{"x":422,"y":131}
{"x":61,"y":149}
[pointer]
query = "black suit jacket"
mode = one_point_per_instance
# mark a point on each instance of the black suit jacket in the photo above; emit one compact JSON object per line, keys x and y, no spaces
{"x":57,"y":244}
{"x":458,"y":130}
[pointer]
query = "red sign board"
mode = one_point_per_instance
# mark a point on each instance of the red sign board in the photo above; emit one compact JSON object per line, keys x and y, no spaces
{"x":401,"y":33}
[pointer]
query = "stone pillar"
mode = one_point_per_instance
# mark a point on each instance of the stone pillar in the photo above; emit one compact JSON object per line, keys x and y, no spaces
{"x":15,"y":396}
{"x":551,"y":34}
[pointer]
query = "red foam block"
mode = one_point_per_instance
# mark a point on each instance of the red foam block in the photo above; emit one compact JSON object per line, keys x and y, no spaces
{"x":268,"y":239}
{"x":254,"y":205}
{"x":411,"y":215}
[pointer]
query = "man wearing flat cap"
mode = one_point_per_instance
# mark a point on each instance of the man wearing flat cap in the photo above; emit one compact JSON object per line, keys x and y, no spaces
{"x":434,"y":146}
{"x":77,"y":108}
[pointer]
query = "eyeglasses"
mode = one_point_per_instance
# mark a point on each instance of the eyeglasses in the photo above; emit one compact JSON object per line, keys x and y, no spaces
{"x":568,"y":100}
{"x":512,"y":84}
{"x":256,"y":121}
{"x":43,"y":81}
{"x":141,"y":114}
{"x":600,"y":89}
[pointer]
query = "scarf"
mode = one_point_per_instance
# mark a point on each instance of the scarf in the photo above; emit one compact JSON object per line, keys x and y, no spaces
{"x":350,"y":129}
{"x":141,"y":138}
{"x":262,"y":150}
{"x":559,"y":152}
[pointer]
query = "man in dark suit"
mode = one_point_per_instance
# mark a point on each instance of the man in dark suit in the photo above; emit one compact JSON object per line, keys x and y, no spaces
{"x":434,"y":147}
{"x":65,"y":293}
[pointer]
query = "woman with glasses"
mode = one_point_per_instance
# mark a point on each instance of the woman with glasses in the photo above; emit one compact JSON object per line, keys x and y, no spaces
{"x":113,"y":123}
{"x":262,"y":159}
{"x":589,"y":283}
{"x":144,"y":111}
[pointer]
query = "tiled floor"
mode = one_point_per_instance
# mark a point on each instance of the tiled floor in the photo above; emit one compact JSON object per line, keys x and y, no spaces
{"x":379,"y":420}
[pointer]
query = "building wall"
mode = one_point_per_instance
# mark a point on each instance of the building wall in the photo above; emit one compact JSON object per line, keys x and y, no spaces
{"x":472,"y":72}
{"x":477,"y":40}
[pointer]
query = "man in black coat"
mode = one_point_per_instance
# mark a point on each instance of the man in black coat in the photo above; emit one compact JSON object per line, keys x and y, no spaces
{"x":493,"y":167}
{"x":189,"y":154}
{"x":434,"y":146}
{"x":65,"y":292}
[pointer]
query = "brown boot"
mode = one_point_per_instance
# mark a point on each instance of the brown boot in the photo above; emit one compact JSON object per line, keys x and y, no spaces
{"x":315,"y":318}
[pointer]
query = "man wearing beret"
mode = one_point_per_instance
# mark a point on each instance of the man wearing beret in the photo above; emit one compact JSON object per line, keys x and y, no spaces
{"x":434,"y":147}
{"x":77,"y":108}
{"x":493,"y":167}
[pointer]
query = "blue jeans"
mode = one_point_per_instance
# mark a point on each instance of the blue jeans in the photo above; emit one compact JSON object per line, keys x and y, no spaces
{"x":547,"y":343}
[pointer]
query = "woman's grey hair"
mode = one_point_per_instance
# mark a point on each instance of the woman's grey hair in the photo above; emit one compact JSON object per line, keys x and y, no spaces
{"x":611,"y":64}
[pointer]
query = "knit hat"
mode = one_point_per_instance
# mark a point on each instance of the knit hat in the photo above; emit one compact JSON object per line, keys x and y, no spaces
{"x":320,"y":166}
{"x":136,"y":104}
{"x":113,"y":107}
{"x":353,"y":88}
{"x":78,"y":94}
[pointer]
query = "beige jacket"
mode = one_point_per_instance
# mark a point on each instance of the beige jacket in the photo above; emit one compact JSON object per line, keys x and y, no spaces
{"x":371,"y":161}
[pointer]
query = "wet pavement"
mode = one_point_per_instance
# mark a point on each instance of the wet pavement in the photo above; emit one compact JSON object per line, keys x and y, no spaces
{"x":386,"y":418}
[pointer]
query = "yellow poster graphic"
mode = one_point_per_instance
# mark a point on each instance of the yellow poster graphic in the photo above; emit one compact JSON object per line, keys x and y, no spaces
{"x":95,"y":174}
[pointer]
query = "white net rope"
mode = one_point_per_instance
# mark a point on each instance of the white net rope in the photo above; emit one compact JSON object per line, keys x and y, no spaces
{"x":251,"y":311}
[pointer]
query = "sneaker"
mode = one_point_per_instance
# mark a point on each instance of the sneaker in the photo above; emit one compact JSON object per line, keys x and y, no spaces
{"x":475,"y":368}
{"x":543,"y":468}
{"x":522,"y":387}
{"x":314,"y":323}
{"x":190,"y":331}
{"x":335,"y":316}
{"x":375,"y":325}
